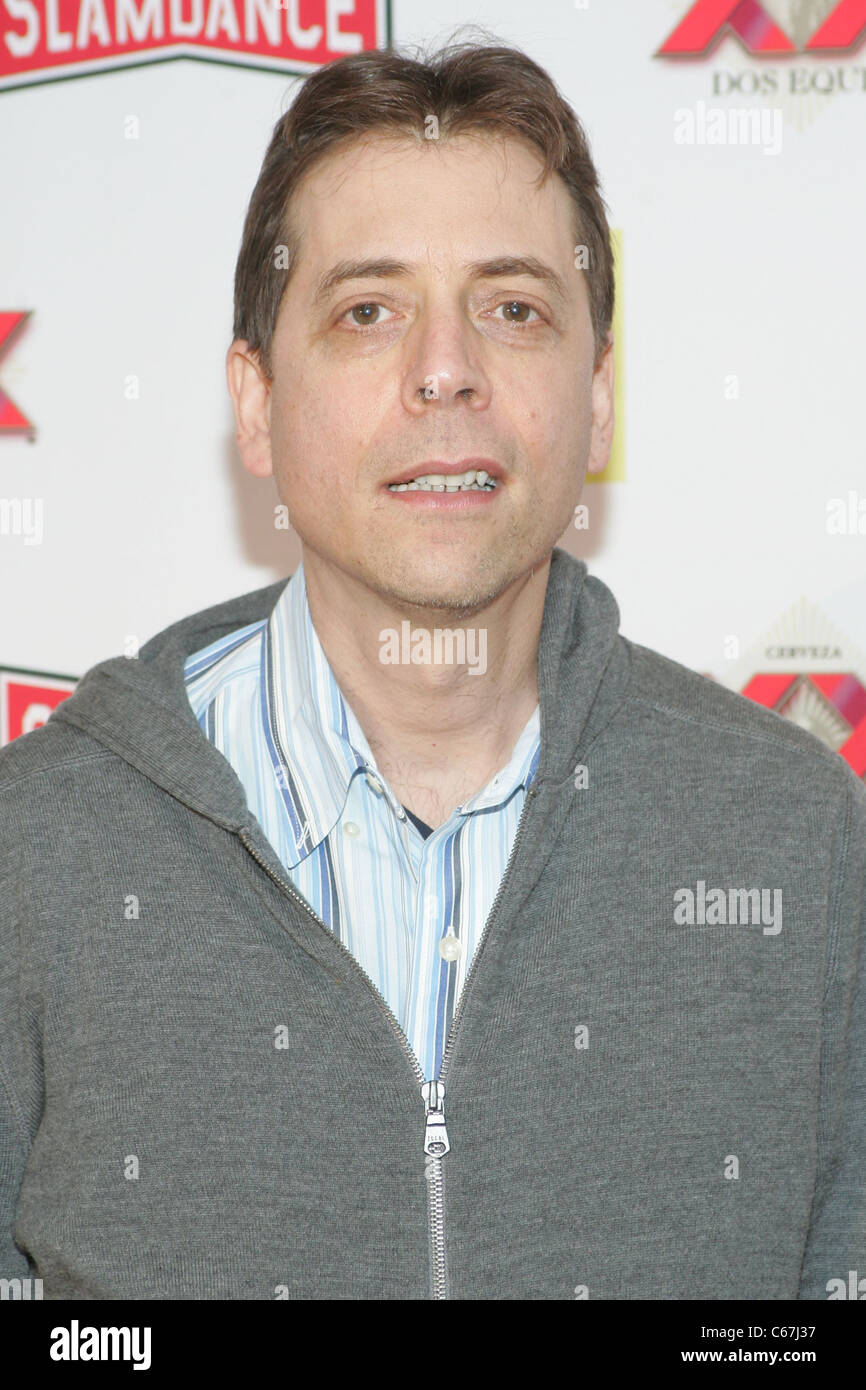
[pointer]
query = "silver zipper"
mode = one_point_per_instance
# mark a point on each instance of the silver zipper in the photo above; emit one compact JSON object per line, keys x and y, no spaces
{"x":436,"y":1146}
{"x":436,"y":1142}
{"x":435,"y":1134}
{"x":434,"y":1100}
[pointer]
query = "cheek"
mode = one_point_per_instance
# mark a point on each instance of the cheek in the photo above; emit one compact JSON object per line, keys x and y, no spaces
{"x":329,"y":411}
{"x":320,"y":436}
{"x":552,"y":434}
{"x":306,"y":430}
{"x":546,"y":399}
{"x":567,"y":415}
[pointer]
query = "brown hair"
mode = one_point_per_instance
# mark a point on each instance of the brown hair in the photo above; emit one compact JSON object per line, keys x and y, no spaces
{"x":468,"y":87}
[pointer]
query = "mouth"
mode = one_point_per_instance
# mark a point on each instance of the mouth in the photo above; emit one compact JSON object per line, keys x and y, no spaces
{"x":484,"y":476}
{"x":471,"y":481}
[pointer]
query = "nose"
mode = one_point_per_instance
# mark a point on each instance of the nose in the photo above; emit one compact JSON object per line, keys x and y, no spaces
{"x":443,"y":362}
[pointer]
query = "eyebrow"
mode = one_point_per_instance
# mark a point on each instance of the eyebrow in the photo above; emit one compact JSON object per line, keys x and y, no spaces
{"x":383,"y":269}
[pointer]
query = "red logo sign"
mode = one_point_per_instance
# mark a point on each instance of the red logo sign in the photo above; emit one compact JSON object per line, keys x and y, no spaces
{"x":827,"y":699}
{"x":45,"y":39}
{"x":27,"y":699}
{"x":11,"y":419}
{"x":706,"y":22}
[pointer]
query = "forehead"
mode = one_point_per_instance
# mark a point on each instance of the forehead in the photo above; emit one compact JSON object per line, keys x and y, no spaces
{"x":427,"y":198}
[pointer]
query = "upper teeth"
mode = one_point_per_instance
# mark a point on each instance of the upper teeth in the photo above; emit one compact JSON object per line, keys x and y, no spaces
{"x":477,"y":478}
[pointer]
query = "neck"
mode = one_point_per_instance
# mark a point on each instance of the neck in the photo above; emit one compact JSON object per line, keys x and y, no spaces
{"x":441,"y":725}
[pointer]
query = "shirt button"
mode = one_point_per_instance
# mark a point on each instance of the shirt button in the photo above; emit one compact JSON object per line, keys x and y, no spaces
{"x":374,"y":783}
{"x":350,"y":828}
{"x":450,"y":948}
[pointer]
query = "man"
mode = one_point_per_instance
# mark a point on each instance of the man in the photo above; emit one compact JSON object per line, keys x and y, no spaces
{"x":339,"y":964}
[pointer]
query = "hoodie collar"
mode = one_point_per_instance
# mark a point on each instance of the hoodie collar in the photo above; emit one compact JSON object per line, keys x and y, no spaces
{"x":138,"y":707}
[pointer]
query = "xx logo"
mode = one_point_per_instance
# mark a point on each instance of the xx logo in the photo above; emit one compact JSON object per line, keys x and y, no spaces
{"x":11,"y":419}
{"x":708,"y":20}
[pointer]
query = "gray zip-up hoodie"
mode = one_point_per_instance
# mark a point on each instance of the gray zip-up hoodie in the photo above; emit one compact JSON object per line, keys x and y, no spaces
{"x":655,"y":1085}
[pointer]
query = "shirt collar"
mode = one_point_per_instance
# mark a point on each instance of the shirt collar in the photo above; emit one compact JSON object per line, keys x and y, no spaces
{"x":315,"y":740}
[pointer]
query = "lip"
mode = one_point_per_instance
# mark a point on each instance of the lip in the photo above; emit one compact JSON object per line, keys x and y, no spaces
{"x":447,"y":501}
{"x":438,"y":466}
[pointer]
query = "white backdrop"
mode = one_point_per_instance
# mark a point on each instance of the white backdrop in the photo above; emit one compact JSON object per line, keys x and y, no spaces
{"x":742,"y":354}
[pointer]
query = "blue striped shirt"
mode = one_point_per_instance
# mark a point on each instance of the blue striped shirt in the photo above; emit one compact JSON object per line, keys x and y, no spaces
{"x":410,"y":909}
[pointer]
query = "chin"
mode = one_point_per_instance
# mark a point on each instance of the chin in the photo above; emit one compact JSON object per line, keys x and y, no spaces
{"x":455,"y":595}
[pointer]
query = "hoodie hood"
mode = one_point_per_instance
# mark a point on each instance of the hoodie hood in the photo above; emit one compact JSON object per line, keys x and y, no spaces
{"x":138,"y":707}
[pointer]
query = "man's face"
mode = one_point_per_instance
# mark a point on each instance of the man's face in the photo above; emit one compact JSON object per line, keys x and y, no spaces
{"x":439,"y":358}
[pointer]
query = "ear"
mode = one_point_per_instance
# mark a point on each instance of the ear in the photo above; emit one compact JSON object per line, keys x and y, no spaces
{"x":250,"y":391}
{"x":602,"y":410}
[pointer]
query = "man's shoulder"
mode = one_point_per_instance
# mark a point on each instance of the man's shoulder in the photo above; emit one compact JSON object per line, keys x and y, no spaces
{"x":696,"y":705}
{"x":59,"y":743}
{"x":44,"y":749}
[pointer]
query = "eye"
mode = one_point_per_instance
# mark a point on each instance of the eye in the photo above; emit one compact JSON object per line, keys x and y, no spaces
{"x":517,"y":304}
{"x":366,"y":321}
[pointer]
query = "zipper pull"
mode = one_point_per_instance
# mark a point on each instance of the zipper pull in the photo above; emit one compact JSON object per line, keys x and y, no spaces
{"x":435,"y":1134}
